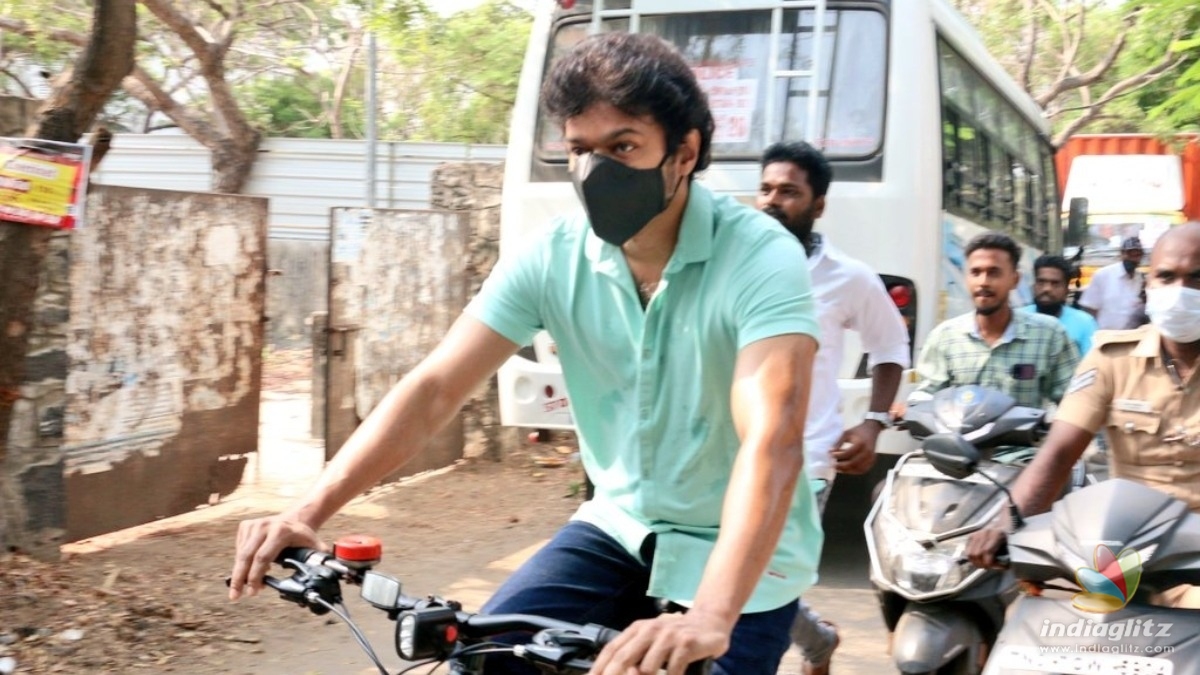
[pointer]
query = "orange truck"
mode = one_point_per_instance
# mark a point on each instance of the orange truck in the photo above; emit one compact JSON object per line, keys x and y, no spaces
{"x":1135,"y":184}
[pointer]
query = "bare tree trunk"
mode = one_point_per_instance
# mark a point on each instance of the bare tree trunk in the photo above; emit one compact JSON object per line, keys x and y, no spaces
{"x":232,"y":162}
{"x":336,"y":129}
{"x":107,"y":58}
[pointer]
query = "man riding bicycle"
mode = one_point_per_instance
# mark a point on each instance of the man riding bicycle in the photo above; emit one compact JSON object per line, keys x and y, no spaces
{"x":686,"y":333}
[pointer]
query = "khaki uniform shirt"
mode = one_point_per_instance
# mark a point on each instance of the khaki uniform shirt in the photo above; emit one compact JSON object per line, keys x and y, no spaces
{"x":1152,"y":420}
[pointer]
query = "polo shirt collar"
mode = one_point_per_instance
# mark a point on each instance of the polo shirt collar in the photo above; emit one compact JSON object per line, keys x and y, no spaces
{"x":695,"y":242}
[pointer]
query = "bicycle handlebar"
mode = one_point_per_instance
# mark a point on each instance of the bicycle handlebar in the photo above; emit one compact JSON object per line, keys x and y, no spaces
{"x":566,"y":647}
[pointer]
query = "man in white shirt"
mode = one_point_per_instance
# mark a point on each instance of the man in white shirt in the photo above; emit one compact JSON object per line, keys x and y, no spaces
{"x":849,"y":295}
{"x":1114,"y":294}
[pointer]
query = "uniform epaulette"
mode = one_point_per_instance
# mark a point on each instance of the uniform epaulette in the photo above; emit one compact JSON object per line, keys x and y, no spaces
{"x":1112,"y":337}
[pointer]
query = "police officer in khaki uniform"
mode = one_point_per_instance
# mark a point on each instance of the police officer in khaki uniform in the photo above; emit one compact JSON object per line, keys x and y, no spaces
{"x":1141,"y":387}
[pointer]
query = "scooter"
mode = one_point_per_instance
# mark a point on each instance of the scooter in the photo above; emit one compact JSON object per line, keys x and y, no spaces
{"x":943,"y":611}
{"x":1116,"y":545}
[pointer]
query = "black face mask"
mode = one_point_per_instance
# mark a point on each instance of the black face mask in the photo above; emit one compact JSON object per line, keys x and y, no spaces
{"x":619,"y":200}
{"x":1130,"y":266}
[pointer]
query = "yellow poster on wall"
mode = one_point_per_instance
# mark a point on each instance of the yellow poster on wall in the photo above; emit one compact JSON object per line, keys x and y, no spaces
{"x":43,"y":182}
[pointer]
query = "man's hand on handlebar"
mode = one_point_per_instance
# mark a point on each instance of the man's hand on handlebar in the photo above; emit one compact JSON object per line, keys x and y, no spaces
{"x":670,"y":641}
{"x":259,"y":542}
{"x":984,"y":548}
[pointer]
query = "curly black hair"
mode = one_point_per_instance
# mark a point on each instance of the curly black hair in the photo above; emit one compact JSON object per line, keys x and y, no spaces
{"x":638,"y":74}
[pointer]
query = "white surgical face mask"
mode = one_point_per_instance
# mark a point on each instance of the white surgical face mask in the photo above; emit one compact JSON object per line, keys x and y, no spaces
{"x":1175,"y":312}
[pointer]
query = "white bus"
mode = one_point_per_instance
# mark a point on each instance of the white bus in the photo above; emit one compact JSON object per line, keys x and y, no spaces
{"x":930,"y":141}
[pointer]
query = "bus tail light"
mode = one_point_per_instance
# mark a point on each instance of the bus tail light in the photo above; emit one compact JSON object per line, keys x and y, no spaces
{"x":903,"y":293}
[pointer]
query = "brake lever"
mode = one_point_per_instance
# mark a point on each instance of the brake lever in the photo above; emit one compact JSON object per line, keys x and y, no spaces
{"x":288,"y":588}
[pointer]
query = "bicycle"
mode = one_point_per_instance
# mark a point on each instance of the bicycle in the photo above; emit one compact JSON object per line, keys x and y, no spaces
{"x":432,"y":630}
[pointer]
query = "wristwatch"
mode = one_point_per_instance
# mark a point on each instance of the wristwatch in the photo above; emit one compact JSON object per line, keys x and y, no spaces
{"x":884,"y":419}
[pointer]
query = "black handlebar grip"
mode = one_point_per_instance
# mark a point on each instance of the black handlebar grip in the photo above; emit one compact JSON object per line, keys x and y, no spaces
{"x":1003,"y":559}
{"x":700,"y":668}
{"x":605,"y":636}
{"x":295,"y":553}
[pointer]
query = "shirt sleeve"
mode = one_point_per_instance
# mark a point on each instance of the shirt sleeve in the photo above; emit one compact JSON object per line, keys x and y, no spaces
{"x":1089,"y":394}
{"x":773,"y":295}
{"x":510,"y":300}
{"x":1065,"y":358}
{"x":931,"y":366}
{"x":878,"y":322}
{"x":1093,"y":294}
{"x":1087,"y":327}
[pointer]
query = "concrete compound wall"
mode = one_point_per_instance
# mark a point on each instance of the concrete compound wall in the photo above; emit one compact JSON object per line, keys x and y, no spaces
{"x":400,"y":279}
{"x":143,"y":399}
{"x":167,"y":301}
{"x":397,"y":285}
{"x":475,"y":188}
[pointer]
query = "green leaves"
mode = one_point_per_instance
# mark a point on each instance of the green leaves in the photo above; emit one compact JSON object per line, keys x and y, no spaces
{"x":454,"y":78}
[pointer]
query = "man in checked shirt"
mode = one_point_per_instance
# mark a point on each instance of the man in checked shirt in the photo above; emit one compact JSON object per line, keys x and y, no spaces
{"x":1028,"y":356}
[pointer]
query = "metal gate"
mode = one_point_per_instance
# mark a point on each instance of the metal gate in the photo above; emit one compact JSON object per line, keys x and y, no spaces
{"x":396,"y":283}
{"x":163,"y":348}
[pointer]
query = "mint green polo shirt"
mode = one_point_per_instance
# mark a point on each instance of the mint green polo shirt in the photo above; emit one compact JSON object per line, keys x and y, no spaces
{"x":650,"y":389}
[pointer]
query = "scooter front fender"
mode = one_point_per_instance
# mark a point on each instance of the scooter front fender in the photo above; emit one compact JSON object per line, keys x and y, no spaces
{"x":930,"y":636}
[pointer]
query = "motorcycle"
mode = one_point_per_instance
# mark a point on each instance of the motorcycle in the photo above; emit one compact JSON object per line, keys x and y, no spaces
{"x":1117,"y":545}
{"x":942,"y":611}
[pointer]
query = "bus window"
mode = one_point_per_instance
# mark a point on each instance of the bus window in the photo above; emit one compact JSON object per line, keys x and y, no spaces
{"x":850,"y":108}
{"x":730,"y":53}
{"x":550,"y":141}
{"x":1051,"y":232}
{"x":1000,"y":172}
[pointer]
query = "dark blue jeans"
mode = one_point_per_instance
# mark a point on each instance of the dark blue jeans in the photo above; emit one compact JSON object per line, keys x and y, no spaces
{"x":585,"y":576}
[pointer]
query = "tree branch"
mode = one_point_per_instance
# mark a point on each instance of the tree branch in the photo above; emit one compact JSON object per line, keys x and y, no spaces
{"x":343,"y":83}
{"x":1029,"y":46}
{"x":165,"y":11}
{"x":10,"y":25}
{"x":1091,"y":76}
{"x":141,"y":86}
{"x":20,"y":83}
{"x":1126,"y":86}
{"x":225,"y":105}
{"x":218,"y":8}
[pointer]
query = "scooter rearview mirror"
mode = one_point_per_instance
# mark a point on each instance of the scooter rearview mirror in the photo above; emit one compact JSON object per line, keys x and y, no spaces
{"x":952,"y":455}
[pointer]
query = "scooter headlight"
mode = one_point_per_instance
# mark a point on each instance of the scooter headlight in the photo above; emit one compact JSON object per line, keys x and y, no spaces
{"x":912,"y":567}
{"x":922,"y":570}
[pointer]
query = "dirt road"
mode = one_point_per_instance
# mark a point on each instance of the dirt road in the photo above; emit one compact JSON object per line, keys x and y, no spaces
{"x":153,"y":599}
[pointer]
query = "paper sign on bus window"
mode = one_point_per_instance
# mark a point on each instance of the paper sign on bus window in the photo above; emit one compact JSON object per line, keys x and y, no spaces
{"x":731,"y":100}
{"x":43,"y":182}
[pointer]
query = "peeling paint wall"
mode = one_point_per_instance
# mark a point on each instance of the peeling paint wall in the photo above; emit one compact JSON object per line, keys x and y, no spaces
{"x":474,"y":188}
{"x":164,"y":353}
{"x":398,"y":285}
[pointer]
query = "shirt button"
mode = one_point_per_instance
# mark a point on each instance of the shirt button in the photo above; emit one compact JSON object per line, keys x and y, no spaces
{"x":1129,"y":427}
